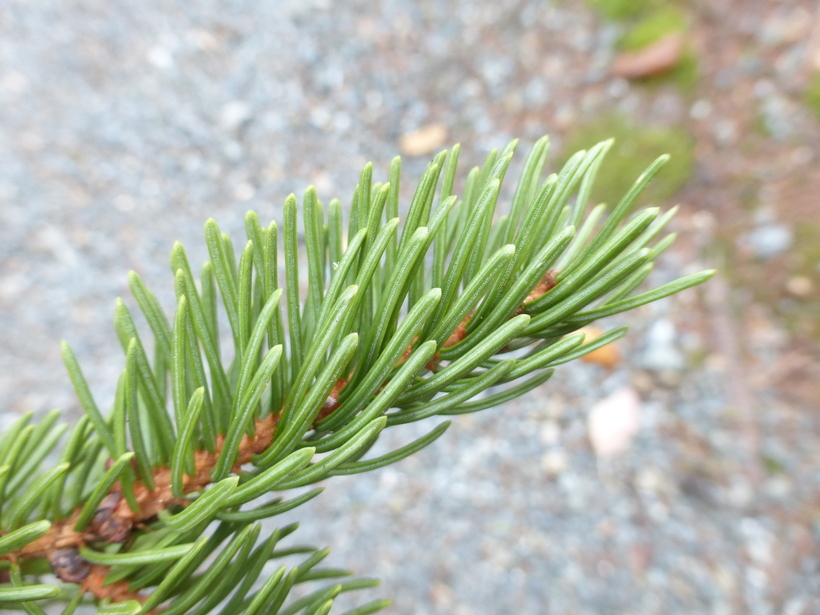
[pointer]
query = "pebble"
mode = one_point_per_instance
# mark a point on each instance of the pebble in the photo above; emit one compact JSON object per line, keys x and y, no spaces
{"x":651,"y":480}
{"x":550,"y":433}
{"x":725,"y":132}
{"x":614,"y":421}
{"x":554,"y":463}
{"x":701,"y":109}
{"x":800,"y":286}
{"x":768,"y":241}
{"x":661,"y":353}
{"x":235,"y":114}
{"x":424,"y":141}
{"x":778,"y":115}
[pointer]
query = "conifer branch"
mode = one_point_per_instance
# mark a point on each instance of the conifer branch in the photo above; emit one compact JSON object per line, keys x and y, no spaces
{"x":400,"y":323}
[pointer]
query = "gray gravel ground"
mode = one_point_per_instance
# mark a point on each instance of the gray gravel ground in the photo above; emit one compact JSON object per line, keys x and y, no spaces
{"x":123,"y":126}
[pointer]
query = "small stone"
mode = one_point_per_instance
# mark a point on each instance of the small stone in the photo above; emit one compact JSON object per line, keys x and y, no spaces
{"x":235,"y":114}
{"x":661,"y":354}
{"x":244,"y":191}
{"x":160,"y":57}
{"x":700,"y":110}
{"x":553,"y":409}
{"x":703,"y":221}
{"x":786,"y":28}
{"x":640,"y":558}
{"x":554,"y":463}
{"x":614,"y":421}
{"x":779,"y":488}
{"x":124,"y":203}
{"x":725,"y":579}
{"x":697,"y":486}
{"x":442,"y":596}
{"x":642,"y":381}
{"x":671,"y":378}
{"x":605,"y":568}
{"x":203,"y":39}
{"x":550,"y":433}
{"x":651,"y":480}
{"x":769,"y":241}
{"x":423,"y":141}
{"x":803,"y":155}
{"x":606,"y":528}
{"x":618,"y":87}
{"x":725,"y":132}
{"x":777,"y":113}
{"x":800,"y":286}
{"x":759,"y":540}
{"x":740,"y":493}
{"x":658,"y":512}
{"x":14,"y":82}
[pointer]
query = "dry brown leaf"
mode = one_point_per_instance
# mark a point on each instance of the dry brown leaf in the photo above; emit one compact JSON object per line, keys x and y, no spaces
{"x":655,"y":59}
{"x":606,"y":356}
{"x":423,"y":141}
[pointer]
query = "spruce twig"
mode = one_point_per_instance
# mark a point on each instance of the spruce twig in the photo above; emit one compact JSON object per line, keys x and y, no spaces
{"x":384,"y":336}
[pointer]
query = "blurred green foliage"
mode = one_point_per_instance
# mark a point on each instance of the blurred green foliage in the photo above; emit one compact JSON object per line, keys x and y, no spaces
{"x":812,"y":95}
{"x":772,"y":464}
{"x":634,"y":149}
{"x":622,"y":9}
{"x":807,"y":244}
{"x":653,"y":27}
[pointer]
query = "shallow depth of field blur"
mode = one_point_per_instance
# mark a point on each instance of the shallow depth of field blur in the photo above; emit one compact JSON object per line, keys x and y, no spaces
{"x":680,"y":473}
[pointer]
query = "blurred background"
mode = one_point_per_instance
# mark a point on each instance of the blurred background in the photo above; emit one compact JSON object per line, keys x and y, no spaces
{"x":678,"y":473}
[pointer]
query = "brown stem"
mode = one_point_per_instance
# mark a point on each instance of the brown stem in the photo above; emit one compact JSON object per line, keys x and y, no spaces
{"x":114,"y":520}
